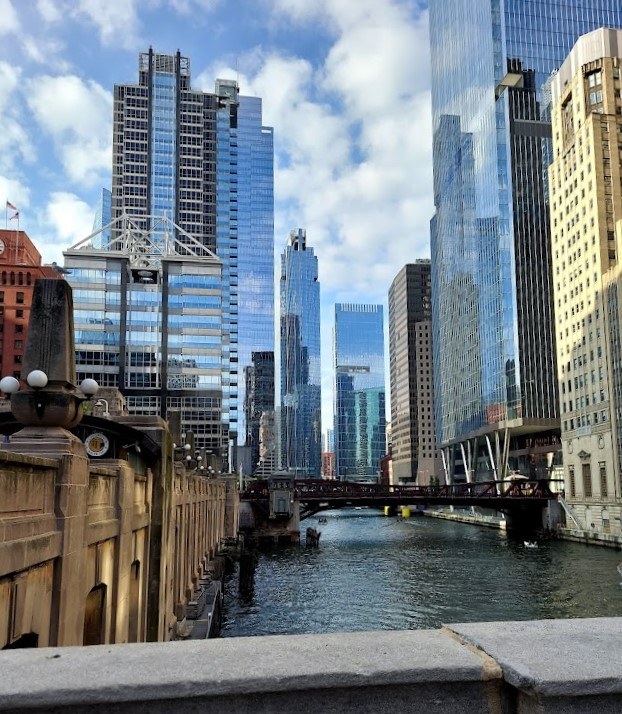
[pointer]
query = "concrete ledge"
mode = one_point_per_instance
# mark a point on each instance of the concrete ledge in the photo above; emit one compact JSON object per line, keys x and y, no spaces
{"x":363,"y":672}
{"x":544,"y":666}
{"x":565,"y":665}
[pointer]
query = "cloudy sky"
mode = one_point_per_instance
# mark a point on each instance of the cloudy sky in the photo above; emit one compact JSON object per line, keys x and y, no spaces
{"x":345,"y":84}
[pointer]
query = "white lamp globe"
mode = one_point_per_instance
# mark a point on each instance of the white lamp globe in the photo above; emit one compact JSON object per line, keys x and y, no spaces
{"x":9,"y":385}
{"x":89,"y":386}
{"x":37,"y":379}
{"x":187,"y":447}
{"x":188,"y":458}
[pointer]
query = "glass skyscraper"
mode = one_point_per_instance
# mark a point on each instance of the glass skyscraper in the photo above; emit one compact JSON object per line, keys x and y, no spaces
{"x":204,"y":161}
{"x":493,"y":339}
{"x":359,"y":391}
{"x":300,"y":413}
{"x":244,"y":239}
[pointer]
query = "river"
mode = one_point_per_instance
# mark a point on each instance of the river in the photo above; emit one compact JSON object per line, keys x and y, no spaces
{"x":373,"y":572}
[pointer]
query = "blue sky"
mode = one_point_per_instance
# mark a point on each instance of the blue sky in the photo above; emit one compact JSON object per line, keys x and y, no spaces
{"x":345,"y":84}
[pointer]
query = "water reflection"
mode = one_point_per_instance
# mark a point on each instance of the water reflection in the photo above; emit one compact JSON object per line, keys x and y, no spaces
{"x":372,"y":572}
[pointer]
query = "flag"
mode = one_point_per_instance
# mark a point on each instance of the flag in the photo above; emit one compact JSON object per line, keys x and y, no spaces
{"x":15,"y":215}
{"x":11,"y":206}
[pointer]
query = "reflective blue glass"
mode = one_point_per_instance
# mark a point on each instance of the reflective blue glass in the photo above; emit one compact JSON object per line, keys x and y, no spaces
{"x":359,"y":389}
{"x":163,"y":144}
{"x":492,"y":318}
{"x":244,"y":241}
{"x":300,"y":412}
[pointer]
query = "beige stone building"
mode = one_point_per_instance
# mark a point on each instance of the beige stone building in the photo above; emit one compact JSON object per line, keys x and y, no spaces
{"x":586,"y":230}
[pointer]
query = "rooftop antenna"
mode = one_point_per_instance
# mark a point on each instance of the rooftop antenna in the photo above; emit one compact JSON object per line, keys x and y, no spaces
{"x":237,"y":70}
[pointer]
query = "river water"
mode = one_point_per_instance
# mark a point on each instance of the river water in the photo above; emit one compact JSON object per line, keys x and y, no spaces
{"x":372,"y":572}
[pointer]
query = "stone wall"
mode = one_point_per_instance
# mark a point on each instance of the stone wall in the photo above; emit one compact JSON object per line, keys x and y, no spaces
{"x":570,"y":666}
{"x":102,"y":551}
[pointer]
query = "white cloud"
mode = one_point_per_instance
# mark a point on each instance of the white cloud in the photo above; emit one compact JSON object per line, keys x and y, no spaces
{"x":14,"y":191}
{"x":116,"y":20}
{"x":78,"y":116}
{"x":45,"y":51}
{"x":15,"y":146}
{"x":186,"y":7}
{"x":66,"y":220}
{"x":49,"y":11}
{"x":9,"y":22}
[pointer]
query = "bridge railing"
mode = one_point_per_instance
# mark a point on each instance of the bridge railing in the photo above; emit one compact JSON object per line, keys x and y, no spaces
{"x":331,"y":489}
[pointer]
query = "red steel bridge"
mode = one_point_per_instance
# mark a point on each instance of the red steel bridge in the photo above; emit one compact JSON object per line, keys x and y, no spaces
{"x":314,"y":495}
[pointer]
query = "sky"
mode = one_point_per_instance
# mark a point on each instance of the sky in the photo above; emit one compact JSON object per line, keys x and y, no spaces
{"x":344,"y":83}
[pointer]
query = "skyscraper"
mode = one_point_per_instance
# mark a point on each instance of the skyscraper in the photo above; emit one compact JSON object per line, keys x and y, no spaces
{"x":300,"y":412}
{"x":205,"y":161}
{"x":410,"y":361}
{"x":359,"y":391}
{"x":495,"y":377}
{"x":586,"y":226}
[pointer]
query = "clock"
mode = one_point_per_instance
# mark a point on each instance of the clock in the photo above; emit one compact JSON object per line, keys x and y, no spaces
{"x":2,"y":246}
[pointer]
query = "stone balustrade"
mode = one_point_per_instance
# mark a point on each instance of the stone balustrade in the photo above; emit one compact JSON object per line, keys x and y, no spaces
{"x":568,"y":666}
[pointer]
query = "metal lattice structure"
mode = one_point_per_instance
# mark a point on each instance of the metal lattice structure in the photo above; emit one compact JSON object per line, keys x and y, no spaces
{"x":145,"y":247}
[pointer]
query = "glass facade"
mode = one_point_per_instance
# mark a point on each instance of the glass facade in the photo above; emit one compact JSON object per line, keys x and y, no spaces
{"x":300,"y":412}
{"x":244,"y":240}
{"x":155,"y":334}
{"x":491,"y":263}
{"x":359,"y":392}
{"x":103,"y":216}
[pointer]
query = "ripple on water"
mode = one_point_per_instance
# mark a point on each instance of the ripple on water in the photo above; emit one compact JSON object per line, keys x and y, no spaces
{"x":372,"y":572}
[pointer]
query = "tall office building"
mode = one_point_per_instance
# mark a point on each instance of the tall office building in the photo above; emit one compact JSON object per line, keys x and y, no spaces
{"x":414,"y":456}
{"x":495,"y":377}
{"x":300,"y":412}
{"x":204,"y":161}
{"x":586,"y":226}
{"x":147,"y":318}
{"x":359,"y":391}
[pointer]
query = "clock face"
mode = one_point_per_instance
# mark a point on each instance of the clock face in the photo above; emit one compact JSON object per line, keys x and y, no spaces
{"x":1,"y":247}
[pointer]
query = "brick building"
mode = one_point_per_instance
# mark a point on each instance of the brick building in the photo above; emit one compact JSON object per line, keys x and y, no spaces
{"x":20,"y":266}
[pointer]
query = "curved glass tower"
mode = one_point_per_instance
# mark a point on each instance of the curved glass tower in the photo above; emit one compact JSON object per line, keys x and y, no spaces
{"x":495,"y":376}
{"x":300,"y":413}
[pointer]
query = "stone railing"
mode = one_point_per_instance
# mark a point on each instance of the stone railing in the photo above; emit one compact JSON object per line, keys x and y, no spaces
{"x":566,"y":666}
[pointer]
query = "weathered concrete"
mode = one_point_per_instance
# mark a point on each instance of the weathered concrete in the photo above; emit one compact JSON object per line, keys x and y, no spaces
{"x":362,"y":672}
{"x":568,"y":666}
{"x":556,"y":665}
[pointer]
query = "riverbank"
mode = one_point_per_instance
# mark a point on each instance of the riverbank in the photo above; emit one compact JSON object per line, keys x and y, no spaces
{"x":587,"y":537}
{"x":476,"y":519}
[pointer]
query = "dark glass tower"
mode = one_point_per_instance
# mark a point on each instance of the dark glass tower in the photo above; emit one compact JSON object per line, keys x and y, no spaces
{"x":359,"y":392}
{"x":495,"y":377}
{"x":300,"y":411}
{"x":259,"y":399}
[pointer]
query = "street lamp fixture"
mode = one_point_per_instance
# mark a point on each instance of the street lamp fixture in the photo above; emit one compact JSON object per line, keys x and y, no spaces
{"x":37,"y":379}
{"x":9,"y":385}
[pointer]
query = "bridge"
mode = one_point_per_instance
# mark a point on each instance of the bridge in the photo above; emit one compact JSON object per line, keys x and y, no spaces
{"x":518,"y":497}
